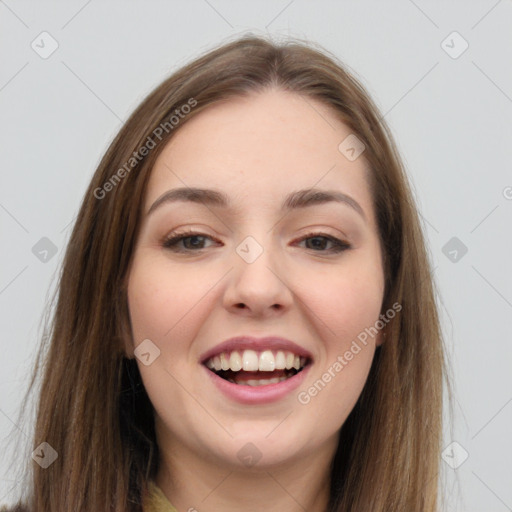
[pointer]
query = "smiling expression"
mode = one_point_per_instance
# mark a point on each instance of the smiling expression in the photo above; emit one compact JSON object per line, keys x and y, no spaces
{"x":260,"y":255}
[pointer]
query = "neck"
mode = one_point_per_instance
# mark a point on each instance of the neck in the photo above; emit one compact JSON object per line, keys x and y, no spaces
{"x":195,"y":483}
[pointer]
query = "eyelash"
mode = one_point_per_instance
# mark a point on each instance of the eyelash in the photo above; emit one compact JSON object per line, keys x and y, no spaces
{"x":172,"y":241}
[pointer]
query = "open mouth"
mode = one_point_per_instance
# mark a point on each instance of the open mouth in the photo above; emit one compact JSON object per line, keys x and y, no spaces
{"x":254,"y":368}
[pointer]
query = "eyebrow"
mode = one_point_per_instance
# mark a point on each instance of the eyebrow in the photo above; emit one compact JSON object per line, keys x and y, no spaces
{"x":298,"y":199}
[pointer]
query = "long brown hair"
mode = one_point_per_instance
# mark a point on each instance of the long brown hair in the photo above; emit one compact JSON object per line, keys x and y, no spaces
{"x":93,"y":408}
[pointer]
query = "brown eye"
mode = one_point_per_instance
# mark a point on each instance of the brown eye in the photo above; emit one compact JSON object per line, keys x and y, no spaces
{"x":192,"y":242}
{"x":320,"y":240}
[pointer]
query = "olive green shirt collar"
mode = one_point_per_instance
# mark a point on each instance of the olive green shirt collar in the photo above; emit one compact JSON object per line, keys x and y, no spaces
{"x":156,"y":501}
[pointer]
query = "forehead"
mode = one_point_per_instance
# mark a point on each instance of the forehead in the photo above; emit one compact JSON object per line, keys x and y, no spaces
{"x":259,"y":148}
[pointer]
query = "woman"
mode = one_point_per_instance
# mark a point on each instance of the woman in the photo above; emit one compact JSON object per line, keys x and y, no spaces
{"x":245,"y":316}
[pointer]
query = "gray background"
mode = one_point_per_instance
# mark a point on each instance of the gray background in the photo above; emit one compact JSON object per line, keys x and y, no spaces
{"x":450,"y":112}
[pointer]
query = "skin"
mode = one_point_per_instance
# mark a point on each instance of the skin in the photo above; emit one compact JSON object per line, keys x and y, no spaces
{"x":256,"y":149}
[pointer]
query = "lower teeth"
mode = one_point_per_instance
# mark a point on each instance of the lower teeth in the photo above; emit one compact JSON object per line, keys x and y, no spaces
{"x":259,"y":382}
{"x":244,"y":380}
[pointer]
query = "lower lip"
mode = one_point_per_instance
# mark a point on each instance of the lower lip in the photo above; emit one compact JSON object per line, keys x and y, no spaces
{"x":245,"y":394}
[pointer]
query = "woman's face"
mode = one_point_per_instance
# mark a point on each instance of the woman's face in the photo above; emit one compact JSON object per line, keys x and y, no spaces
{"x":257,"y":266}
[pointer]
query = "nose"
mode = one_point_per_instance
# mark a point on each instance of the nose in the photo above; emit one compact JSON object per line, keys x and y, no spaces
{"x":257,"y":288}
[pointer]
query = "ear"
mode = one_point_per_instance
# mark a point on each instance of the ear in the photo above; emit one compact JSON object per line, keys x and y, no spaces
{"x":381,"y":338}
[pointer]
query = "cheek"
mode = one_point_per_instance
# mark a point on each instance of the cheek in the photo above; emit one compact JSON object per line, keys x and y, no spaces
{"x":162,"y":300}
{"x":165,"y":307}
{"x":347,"y":305}
{"x":347,"y":300}
{"x":357,"y":307}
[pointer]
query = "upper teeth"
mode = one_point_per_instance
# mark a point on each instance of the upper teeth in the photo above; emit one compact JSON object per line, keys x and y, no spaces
{"x":252,"y":361}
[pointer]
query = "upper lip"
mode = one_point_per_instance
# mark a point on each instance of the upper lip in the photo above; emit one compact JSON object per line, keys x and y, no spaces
{"x":256,"y":344}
